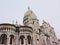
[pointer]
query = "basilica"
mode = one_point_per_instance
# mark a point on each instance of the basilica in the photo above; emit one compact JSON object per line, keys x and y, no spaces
{"x":30,"y":33}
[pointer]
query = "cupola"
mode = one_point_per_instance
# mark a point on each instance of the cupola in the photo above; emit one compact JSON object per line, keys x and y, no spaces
{"x":29,"y":17}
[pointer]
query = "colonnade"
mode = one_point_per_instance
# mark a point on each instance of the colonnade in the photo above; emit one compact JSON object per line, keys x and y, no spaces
{"x":13,"y":40}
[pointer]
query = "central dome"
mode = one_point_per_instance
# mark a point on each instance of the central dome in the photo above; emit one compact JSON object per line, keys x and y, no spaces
{"x":29,"y":15}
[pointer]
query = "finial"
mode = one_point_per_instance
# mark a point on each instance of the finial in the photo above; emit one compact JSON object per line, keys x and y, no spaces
{"x":28,"y":8}
{"x":44,"y":21}
{"x":17,"y":22}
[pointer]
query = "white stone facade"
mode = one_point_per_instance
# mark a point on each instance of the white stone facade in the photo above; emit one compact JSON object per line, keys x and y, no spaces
{"x":31,"y":33}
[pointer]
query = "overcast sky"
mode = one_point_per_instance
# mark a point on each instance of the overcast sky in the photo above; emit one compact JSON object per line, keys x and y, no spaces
{"x":48,"y":10}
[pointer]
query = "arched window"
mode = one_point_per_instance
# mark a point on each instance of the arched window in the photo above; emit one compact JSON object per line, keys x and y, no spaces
{"x":29,"y":39}
{"x":11,"y":38}
{"x":3,"y":39}
{"x":22,"y":39}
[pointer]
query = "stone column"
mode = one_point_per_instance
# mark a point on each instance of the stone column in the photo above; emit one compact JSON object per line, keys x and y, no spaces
{"x":45,"y":40}
{"x":8,"y":40}
{"x":34,"y":39}
{"x":50,"y":41}
{"x":25,"y":40}
{"x":13,"y":41}
{"x":41,"y":39}
{"x":31,"y":41}
{"x":17,"y":40}
{"x":20,"y":42}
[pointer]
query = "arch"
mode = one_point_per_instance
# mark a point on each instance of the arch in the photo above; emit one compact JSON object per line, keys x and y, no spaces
{"x":3,"y":39}
{"x":11,"y":38}
{"x":29,"y":39}
{"x":22,"y":39}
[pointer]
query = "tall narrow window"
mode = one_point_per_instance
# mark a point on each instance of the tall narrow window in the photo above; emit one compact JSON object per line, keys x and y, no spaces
{"x":11,"y":38}
{"x":33,"y":22}
{"x":48,"y":41}
{"x":3,"y":39}
{"x":29,"y":39}
{"x":22,"y":39}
